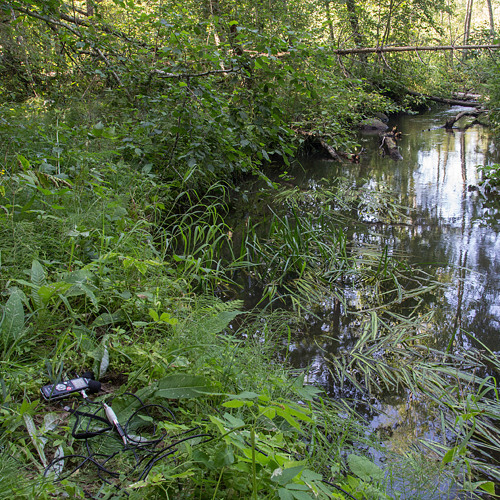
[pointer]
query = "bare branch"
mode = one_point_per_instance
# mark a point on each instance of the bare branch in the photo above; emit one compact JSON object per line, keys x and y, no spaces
{"x":164,"y":74}
{"x":48,"y":20}
{"x":77,"y":21}
{"x":380,"y":50}
{"x":384,"y":49}
{"x":453,"y":102}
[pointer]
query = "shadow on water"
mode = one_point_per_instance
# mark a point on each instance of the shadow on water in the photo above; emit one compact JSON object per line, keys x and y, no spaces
{"x":448,"y":233}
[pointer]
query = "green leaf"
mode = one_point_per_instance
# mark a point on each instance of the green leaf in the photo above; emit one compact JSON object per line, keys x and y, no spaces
{"x":166,"y":318}
{"x":234,"y":404}
{"x":81,"y":276}
{"x":183,"y":385}
{"x":13,"y":320}
{"x":285,"y":494}
{"x":267,"y":411}
{"x":308,"y":476}
{"x":153,"y":315}
{"x":300,"y":413}
{"x":286,"y":415}
{"x":37,"y":274}
{"x":301,"y":495}
{"x":488,"y":486}
{"x":244,"y":395}
{"x":38,"y":443}
{"x":109,"y":319}
{"x":37,"y":279}
{"x":307,"y":392}
{"x":224,"y":457}
{"x":365,"y":469}
{"x":219,"y":322}
{"x":24,"y":162}
{"x":98,"y":129}
{"x":80,"y":289}
{"x":450,"y":455}
{"x":46,"y":292}
{"x":233,"y":422}
{"x":297,"y":487}
{"x":284,"y":476}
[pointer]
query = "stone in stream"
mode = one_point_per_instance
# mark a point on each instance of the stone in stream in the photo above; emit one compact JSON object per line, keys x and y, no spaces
{"x":373,"y":125}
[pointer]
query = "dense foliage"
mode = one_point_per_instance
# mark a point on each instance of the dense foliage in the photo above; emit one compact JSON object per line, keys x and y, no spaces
{"x":125,"y":130}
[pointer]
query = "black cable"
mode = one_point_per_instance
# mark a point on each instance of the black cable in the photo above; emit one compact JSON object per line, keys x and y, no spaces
{"x":86,"y":435}
{"x":145,"y":450}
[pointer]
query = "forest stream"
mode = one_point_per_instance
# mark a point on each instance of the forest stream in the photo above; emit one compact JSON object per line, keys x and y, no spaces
{"x":451,"y":234}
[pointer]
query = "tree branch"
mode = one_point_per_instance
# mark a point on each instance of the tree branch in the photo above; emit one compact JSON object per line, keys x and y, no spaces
{"x":451,"y":121}
{"x":453,"y":102}
{"x":164,"y":74}
{"x":77,"y":21}
{"x":380,"y":50}
{"x":113,"y":72}
{"x":47,"y":19}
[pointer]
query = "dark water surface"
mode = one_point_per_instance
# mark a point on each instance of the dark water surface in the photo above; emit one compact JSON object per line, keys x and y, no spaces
{"x":450,"y":233}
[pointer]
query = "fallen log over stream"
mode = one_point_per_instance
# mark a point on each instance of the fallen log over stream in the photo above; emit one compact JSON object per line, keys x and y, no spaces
{"x":444,"y":100}
{"x":414,"y":48}
{"x":319,"y":144}
{"x":451,"y":121}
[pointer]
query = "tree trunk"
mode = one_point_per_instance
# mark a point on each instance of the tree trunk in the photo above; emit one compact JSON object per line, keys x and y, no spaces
{"x":452,"y":102}
{"x":329,"y":20}
{"x":468,"y":17}
{"x":451,"y":121}
{"x":413,"y":48}
{"x":390,"y":147}
{"x":91,"y":7}
{"x":387,"y":30}
{"x":354,"y":22}
{"x":492,"y":24}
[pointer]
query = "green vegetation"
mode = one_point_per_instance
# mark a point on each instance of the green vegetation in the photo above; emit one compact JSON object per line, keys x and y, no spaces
{"x":126,"y":129}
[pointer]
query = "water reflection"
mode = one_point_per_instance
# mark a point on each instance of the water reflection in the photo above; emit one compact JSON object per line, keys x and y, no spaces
{"x":447,"y":233}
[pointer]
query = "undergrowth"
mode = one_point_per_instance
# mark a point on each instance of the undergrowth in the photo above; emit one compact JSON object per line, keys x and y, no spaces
{"x":111,"y":265}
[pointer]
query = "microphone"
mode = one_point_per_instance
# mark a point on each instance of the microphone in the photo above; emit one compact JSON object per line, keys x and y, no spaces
{"x":94,"y":386}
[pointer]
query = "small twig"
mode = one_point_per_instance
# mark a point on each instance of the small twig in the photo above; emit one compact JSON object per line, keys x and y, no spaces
{"x":385,"y":61}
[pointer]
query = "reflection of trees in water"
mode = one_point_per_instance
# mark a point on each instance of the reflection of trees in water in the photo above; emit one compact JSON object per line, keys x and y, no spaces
{"x":445,"y":234}
{"x":456,"y":243}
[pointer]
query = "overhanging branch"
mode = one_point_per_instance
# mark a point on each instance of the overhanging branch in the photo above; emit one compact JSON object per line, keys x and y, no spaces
{"x":164,"y":74}
{"x":380,"y":50}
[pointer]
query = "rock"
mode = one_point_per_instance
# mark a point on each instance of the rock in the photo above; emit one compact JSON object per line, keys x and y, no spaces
{"x":373,"y":125}
{"x":382,"y":117}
